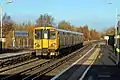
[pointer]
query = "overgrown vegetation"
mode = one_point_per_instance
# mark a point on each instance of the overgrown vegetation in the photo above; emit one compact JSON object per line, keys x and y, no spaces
{"x":47,"y":20}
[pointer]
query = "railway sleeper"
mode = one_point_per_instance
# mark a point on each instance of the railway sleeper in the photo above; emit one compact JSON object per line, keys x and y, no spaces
{"x":14,"y":60}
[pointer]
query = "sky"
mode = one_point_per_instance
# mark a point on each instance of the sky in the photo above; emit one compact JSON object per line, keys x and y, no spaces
{"x":97,"y":14}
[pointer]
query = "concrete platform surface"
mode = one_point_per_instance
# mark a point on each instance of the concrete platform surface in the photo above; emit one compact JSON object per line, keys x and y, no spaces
{"x":104,"y":67}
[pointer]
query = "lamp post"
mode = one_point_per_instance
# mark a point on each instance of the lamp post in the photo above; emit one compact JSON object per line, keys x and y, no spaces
{"x":1,"y":22}
{"x":116,"y":14}
{"x":116,"y":25}
{"x":117,"y":17}
{"x":1,"y":19}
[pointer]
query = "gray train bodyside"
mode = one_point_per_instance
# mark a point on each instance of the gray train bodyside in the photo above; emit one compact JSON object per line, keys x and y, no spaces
{"x":69,"y":38}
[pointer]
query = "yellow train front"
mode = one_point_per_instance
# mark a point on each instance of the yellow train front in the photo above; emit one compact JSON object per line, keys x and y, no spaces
{"x":48,"y":41}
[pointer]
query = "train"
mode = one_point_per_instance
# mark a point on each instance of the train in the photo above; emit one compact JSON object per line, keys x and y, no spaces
{"x":50,"y":41}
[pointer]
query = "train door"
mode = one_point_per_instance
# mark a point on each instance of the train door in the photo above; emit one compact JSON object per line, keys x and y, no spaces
{"x":45,"y":40}
{"x":37,"y":39}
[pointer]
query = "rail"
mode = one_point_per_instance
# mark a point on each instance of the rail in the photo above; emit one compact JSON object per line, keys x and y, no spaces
{"x":47,"y":66}
{"x":7,"y":60}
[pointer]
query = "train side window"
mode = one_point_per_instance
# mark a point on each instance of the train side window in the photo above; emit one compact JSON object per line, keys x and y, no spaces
{"x":58,"y":33}
{"x":68,"y":33}
{"x":63,"y":33}
{"x":52,"y":34}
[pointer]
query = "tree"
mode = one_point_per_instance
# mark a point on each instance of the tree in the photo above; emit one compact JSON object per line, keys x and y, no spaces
{"x":7,"y":24}
{"x":110,"y":31}
{"x":45,"y":20}
{"x":65,"y":25}
{"x":79,"y":29}
{"x":86,"y":33}
{"x":25,"y":26}
{"x":94,"y":35}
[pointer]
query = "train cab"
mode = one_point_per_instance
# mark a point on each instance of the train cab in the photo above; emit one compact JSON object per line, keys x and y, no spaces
{"x":45,"y":40}
{"x":50,"y":41}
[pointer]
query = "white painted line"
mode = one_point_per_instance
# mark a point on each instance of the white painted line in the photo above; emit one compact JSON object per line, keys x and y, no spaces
{"x":54,"y":78}
{"x":85,"y":72}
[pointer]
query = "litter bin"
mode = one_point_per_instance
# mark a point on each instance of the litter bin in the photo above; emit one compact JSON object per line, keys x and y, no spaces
{"x":111,"y":41}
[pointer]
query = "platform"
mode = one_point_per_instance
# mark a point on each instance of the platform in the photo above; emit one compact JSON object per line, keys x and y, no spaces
{"x":9,"y":55}
{"x":104,"y":67}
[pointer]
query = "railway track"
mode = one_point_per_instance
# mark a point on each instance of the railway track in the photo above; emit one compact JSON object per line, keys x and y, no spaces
{"x":18,"y":59}
{"x":40,"y":69}
{"x":21,"y":69}
{"x":8,"y":59}
{"x":68,"y":61}
{"x":17,"y":65}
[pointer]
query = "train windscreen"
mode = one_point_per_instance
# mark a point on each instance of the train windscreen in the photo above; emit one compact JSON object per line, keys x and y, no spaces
{"x":45,"y":34}
{"x":38,"y":34}
{"x":52,"y":34}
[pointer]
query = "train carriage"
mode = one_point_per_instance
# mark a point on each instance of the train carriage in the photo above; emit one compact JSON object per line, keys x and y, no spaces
{"x":48,"y":41}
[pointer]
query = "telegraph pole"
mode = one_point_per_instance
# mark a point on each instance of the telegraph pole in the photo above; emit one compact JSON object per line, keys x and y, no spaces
{"x":1,"y":21}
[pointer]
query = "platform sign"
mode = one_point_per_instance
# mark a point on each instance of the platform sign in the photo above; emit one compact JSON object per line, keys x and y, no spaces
{"x":3,"y":39}
{"x":21,"y":33}
{"x":106,"y":37}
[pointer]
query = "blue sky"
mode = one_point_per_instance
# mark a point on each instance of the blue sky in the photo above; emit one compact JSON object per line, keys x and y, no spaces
{"x":96,"y":14}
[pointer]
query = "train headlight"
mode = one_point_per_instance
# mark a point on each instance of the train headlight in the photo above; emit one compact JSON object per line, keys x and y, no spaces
{"x":37,"y":45}
{"x":53,"y":44}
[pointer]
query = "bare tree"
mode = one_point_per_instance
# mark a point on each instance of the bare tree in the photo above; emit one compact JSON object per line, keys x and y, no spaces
{"x":45,"y":20}
{"x":7,"y":24}
{"x":65,"y":25}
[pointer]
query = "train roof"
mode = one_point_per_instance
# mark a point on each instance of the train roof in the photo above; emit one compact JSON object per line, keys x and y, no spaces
{"x":62,"y":30}
{"x":69,"y":31}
